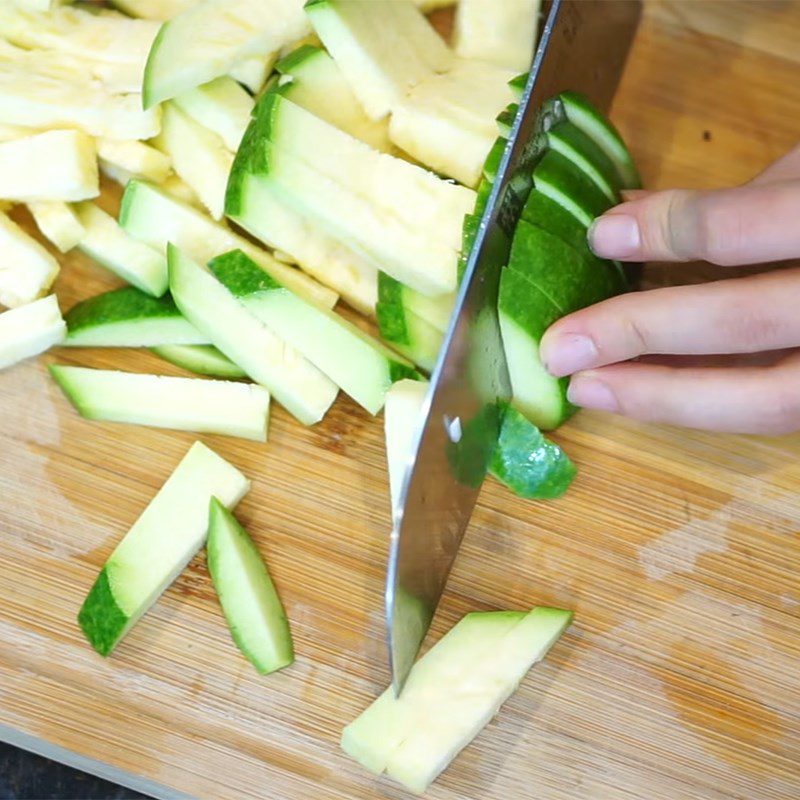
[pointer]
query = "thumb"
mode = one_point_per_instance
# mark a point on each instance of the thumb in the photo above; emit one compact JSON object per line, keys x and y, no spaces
{"x":746,"y":225}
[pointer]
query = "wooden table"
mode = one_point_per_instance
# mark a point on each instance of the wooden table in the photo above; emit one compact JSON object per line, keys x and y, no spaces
{"x":678,"y":551}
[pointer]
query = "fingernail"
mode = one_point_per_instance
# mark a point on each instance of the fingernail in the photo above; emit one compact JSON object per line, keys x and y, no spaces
{"x":568,"y":353}
{"x":615,"y":236}
{"x":589,"y":392}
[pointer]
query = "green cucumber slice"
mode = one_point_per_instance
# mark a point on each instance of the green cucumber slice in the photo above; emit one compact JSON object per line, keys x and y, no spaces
{"x":251,"y":605}
{"x":409,"y":334}
{"x":129,"y":317}
{"x":292,"y":380}
{"x":158,"y":547}
{"x":435,"y":310}
{"x":184,"y":404}
{"x":200,"y":359}
{"x":360,"y":365}
{"x":527,"y":462}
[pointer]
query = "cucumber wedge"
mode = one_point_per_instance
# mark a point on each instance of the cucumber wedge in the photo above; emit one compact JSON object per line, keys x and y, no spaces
{"x":198,"y":156}
{"x":251,"y":605}
{"x":210,"y":37}
{"x":314,"y":82}
{"x":266,"y":217}
{"x":111,"y":246}
{"x":361,"y":366}
{"x":528,"y":463}
{"x":292,"y":380}
{"x":222,"y":106}
{"x":28,"y":270}
{"x":183,"y":404}
{"x":58,"y":223}
{"x":56,"y":165}
{"x":158,"y":218}
{"x":164,"y":539}
{"x":134,"y":159}
{"x":29,"y":330}
{"x":453,"y":691}
{"x":200,"y":359}
{"x":502,"y":33}
{"x":129,"y":317}
{"x":383,"y":47}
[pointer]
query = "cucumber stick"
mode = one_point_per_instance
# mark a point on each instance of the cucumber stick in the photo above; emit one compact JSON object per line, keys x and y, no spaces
{"x":29,"y":330}
{"x":251,"y":605}
{"x":435,"y":310}
{"x":186,"y":404}
{"x":292,"y":380}
{"x":108,"y":244}
{"x":58,"y":223}
{"x":453,"y":691}
{"x":409,"y":334}
{"x":360,"y":365}
{"x":157,"y":218}
{"x":200,"y":359}
{"x":209,"y":38}
{"x":134,"y":160}
{"x":158,"y":547}
{"x":28,"y":269}
{"x":128,"y":317}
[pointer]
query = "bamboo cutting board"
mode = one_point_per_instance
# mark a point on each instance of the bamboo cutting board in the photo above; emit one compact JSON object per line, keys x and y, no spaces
{"x":679,"y":551}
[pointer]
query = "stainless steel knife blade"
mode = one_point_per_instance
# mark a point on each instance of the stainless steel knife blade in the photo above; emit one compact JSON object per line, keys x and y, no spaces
{"x":582,"y":47}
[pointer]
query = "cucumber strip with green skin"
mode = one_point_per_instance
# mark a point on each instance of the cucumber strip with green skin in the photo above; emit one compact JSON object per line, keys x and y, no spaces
{"x":561,"y":272}
{"x":492,"y":163}
{"x":435,"y":310}
{"x":360,"y":365}
{"x":525,"y":313}
{"x":587,"y":155}
{"x":519,"y":83}
{"x":558,"y":178}
{"x":200,"y":359}
{"x":527,"y":462}
{"x":291,"y":379}
{"x":249,"y":600}
{"x":505,"y":120}
{"x":409,"y":334}
{"x":184,"y":404}
{"x":159,"y":546}
{"x":129,"y":317}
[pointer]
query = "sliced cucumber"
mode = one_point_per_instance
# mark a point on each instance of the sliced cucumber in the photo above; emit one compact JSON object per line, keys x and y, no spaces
{"x":55,"y":165}
{"x":505,"y":120}
{"x":579,"y":110}
{"x":360,"y":365}
{"x":251,"y":605}
{"x":501,"y":33}
{"x":292,"y":380}
{"x":39,"y":100}
{"x":456,"y":707}
{"x":383,"y":47}
{"x":29,"y":330}
{"x":402,"y":419}
{"x":518,"y":84}
{"x":157,"y":218}
{"x":222,"y":106}
{"x":451,"y":694}
{"x":211,"y":37}
{"x":569,"y":279}
{"x":129,"y":317}
{"x":111,"y":246}
{"x":202,"y":359}
{"x":447,"y":122}
{"x":158,"y":547}
{"x":263,"y":215}
{"x":435,"y":310}
{"x":314,"y":81}
{"x":153,"y":9}
{"x":198,"y":156}
{"x":409,"y":334}
{"x":528,"y":463}
{"x":28,"y":270}
{"x":134,"y":159}
{"x":184,"y":404}
{"x":253,"y":72}
{"x":58,"y":223}
{"x":525,"y":314}
{"x":562,"y":181}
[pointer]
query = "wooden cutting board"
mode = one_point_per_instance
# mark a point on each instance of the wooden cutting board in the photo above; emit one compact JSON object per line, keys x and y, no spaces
{"x":679,"y":551}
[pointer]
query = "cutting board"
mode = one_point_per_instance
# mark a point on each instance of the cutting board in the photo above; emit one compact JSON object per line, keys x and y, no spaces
{"x":678,"y":551}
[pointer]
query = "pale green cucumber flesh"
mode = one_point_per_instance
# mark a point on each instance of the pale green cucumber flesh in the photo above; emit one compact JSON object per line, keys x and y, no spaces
{"x":200,"y":359}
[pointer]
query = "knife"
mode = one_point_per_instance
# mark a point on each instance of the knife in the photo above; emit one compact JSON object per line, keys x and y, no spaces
{"x":583,"y":46}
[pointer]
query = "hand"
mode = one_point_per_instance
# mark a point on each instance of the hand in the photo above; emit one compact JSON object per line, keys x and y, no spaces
{"x":721,"y":356}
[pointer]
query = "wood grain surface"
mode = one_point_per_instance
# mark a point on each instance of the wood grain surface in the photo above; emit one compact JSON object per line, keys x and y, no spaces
{"x":679,"y":551}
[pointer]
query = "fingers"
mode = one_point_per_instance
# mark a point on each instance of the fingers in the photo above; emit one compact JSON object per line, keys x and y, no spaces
{"x":784,"y":169}
{"x":745,"y":225}
{"x":763,"y":400}
{"x":742,"y":315}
